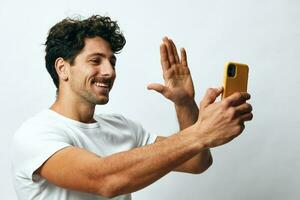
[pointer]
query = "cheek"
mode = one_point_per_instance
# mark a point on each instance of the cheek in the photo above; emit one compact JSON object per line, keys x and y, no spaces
{"x":82,"y":76}
{"x":89,"y":72}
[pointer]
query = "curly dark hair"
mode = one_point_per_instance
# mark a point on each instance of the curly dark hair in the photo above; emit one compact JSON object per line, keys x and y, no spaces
{"x":66,"y":39}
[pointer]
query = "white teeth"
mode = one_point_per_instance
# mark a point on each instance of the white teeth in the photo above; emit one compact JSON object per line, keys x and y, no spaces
{"x":101,"y":84}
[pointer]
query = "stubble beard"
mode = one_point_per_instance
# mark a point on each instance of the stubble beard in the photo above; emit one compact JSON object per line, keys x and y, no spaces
{"x":89,"y":96}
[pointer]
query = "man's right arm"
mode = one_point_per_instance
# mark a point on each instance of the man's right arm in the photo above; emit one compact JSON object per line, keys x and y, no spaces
{"x":126,"y":172}
{"x":121,"y":173}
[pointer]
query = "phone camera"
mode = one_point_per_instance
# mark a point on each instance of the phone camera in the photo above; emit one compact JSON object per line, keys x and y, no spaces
{"x":231,"y":70}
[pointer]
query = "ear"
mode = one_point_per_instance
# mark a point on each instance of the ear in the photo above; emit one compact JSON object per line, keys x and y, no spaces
{"x":61,"y":67}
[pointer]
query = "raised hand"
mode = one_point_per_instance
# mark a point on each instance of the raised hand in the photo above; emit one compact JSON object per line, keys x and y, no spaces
{"x":178,"y":85}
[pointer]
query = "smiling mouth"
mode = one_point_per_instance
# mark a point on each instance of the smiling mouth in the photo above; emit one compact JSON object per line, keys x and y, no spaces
{"x":103,"y":84}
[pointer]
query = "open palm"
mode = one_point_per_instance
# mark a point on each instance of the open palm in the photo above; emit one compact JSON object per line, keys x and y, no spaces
{"x":178,"y":86}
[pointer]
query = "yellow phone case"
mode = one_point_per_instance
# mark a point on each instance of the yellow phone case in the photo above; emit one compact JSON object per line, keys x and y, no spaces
{"x":236,"y":83}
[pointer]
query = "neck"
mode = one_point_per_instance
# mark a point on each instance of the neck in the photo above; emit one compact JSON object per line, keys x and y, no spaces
{"x":76,"y":109}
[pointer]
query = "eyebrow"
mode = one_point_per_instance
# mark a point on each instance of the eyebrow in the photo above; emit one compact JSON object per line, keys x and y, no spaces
{"x":102,"y":55}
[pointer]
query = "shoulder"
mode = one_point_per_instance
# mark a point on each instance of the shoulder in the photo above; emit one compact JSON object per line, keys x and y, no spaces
{"x":40,"y":123}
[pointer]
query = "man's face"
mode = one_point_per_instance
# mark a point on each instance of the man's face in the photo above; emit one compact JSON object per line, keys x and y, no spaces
{"x":92,"y":74}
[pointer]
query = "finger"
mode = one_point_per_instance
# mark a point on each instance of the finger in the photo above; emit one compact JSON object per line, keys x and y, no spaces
{"x":246,"y":117}
{"x":210,"y":96}
{"x":160,"y":89}
{"x":237,"y":98}
{"x":174,"y":51}
{"x":244,"y":108}
{"x":171,"y":57}
{"x":183,"y":57}
{"x":164,"y":57}
{"x":242,"y":127}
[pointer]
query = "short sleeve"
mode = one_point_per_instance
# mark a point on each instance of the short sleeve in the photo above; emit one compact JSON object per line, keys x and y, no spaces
{"x":33,"y":145}
{"x":142,"y":136}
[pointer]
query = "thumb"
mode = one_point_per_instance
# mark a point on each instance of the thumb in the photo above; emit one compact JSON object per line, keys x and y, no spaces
{"x":160,"y":89}
{"x":210,"y":96}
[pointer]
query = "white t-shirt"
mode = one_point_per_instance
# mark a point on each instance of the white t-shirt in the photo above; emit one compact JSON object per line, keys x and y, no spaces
{"x":47,"y":132}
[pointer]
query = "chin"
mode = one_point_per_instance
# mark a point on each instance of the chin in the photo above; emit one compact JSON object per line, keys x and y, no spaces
{"x":102,"y":101}
{"x":97,"y":99}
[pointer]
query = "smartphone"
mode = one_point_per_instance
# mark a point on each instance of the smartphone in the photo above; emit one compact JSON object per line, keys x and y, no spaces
{"x":235,"y":78}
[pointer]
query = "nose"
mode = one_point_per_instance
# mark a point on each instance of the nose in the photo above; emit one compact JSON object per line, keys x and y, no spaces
{"x":107,"y":69}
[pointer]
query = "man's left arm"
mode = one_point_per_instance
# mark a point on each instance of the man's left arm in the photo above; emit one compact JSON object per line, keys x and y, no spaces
{"x":180,"y":90}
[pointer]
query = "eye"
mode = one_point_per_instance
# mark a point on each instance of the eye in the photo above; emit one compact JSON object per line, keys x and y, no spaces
{"x":95,"y":61}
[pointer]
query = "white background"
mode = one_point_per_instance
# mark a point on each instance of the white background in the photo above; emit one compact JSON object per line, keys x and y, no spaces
{"x":263,"y":163}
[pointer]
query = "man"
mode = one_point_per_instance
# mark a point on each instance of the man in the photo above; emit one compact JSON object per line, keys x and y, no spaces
{"x":68,"y":152}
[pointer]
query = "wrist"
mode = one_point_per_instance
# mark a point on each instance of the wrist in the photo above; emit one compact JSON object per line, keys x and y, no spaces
{"x":199,"y":137}
{"x":187,"y":107}
{"x":186,"y":103}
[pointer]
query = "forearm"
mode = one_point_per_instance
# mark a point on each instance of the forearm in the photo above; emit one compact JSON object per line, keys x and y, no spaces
{"x":187,"y":115}
{"x":197,"y":164}
{"x":132,"y":170}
